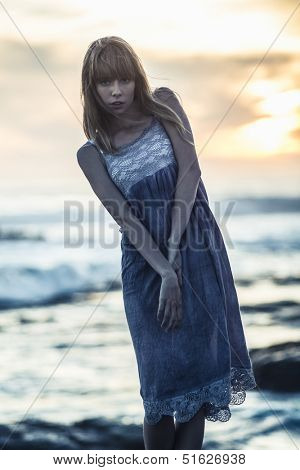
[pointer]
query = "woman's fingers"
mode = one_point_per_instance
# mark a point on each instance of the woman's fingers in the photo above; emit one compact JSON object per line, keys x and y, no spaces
{"x":161,"y":308}
{"x":171,"y":316}
{"x":170,"y":305}
{"x":175,"y":323}
{"x":172,"y":320}
{"x":167,"y":313}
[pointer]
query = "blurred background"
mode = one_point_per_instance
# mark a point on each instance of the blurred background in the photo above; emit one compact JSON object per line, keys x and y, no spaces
{"x":68,"y":374}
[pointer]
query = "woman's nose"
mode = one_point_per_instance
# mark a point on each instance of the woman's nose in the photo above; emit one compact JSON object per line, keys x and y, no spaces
{"x":116,"y":87}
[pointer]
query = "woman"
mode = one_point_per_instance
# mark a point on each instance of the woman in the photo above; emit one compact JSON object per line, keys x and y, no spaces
{"x":179,"y":294}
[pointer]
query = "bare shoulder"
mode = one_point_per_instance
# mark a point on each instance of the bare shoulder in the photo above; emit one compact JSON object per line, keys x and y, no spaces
{"x":170,"y":98}
{"x":86,"y":148}
{"x":163,"y":93}
{"x":87,"y":151}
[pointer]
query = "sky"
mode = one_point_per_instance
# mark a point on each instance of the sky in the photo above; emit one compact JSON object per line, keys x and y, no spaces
{"x":234,"y":63}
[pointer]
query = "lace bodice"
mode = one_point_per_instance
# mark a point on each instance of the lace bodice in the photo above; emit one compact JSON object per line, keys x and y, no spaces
{"x":148,"y":153}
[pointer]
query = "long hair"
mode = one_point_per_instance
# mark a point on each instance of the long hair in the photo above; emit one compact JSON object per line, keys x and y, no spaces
{"x":112,"y":57}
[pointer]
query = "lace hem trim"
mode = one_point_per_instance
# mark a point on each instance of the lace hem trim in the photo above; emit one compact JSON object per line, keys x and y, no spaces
{"x":215,"y":399}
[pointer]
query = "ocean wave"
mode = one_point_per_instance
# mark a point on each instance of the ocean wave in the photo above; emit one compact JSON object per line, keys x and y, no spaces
{"x":269,"y":244}
{"x":252,"y":205}
{"x":18,"y":234}
{"x":33,"y":286}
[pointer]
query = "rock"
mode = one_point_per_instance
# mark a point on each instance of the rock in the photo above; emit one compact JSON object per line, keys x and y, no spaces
{"x":277,"y":367}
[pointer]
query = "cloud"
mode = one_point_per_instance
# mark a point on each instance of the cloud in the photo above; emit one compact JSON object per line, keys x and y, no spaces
{"x":39,"y":122}
{"x":212,"y":82}
{"x":54,"y":12}
{"x":295,"y":134}
{"x":16,"y":55}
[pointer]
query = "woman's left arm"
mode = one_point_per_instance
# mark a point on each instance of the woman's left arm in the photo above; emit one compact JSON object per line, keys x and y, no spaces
{"x":189,"y":172}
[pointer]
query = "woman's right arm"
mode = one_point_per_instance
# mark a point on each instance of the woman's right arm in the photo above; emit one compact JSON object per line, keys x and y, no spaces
{"x":115,"y":203}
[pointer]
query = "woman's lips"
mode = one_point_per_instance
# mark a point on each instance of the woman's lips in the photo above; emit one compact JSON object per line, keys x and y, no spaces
{"x":117,"y":104}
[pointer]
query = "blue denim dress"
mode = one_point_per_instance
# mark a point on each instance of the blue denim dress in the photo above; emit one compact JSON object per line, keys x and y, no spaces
{"x":204,"y":362}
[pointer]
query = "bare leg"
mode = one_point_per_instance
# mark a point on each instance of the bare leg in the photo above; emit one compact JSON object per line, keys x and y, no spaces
{"x":189,"y":435}
{"x":160,"y":435}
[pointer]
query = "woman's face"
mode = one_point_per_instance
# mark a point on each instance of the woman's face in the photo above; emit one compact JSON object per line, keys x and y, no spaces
{"x":115,"y":90}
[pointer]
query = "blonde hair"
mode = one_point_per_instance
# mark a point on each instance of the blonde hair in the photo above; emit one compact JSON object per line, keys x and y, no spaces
{"x":112,"y":57}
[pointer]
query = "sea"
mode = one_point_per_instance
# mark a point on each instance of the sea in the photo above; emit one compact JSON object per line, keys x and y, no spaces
{"x":66,"y":352}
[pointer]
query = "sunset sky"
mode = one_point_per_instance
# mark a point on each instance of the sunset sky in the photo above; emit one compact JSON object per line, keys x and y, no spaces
{"x":207,"y":51}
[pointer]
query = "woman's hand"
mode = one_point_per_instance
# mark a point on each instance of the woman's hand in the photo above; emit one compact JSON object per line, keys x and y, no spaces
{"x":170,"y":302}
{"x":174,"y":258}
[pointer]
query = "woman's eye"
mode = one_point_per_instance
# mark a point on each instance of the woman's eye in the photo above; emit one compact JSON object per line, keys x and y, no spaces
{"x":106,"y":82}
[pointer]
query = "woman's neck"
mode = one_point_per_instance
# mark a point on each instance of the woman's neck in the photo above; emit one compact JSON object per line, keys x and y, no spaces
{"x":132,"y":118}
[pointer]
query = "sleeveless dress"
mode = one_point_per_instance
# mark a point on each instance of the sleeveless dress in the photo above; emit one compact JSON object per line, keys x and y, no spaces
{"x":204,"y":362}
